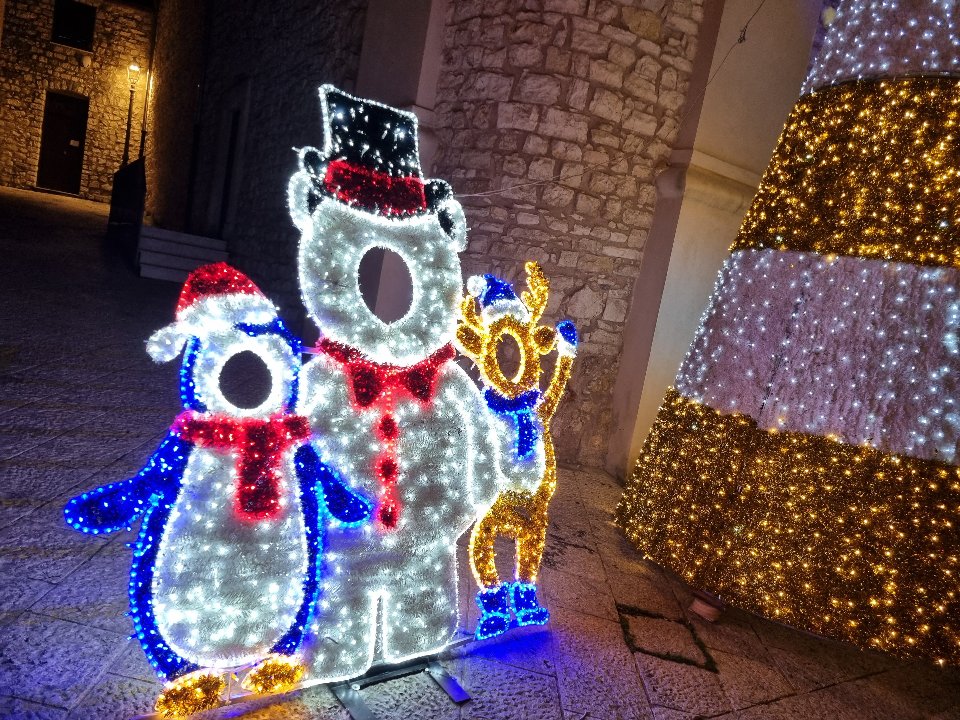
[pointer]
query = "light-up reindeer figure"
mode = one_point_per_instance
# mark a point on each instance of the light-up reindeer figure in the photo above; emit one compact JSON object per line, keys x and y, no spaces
{"x":521,"y":516}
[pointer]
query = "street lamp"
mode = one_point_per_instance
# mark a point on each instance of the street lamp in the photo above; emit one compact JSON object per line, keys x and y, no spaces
{"x":133,"y":77}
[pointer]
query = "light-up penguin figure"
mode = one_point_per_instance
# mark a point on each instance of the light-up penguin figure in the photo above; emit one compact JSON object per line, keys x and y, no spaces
{"x":233,"y":503}
{"x":388,"y":407}
{"x":520,"y":516}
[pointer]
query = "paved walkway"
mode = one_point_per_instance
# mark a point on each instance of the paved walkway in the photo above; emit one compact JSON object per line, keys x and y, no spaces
{"x":82,"y":405}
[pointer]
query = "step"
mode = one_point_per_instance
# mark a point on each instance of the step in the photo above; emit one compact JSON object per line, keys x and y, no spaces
{"x":178,"y":262}
{"x":162,"y":273}
{"x":169,"y":247}
{"x":182,"y":238}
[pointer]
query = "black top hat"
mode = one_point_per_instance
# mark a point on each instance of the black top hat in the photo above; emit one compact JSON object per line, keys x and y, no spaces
{"x":370,"y":158}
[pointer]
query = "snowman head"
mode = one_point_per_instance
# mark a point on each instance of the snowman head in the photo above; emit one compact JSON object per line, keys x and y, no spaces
{"x":364,"y":190}
{"x":222,"y":313}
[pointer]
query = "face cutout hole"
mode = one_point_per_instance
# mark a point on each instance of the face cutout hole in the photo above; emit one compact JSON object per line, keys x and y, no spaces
{"x":385,"y":284}
{"x":245,"y":380}
{"x":509,"y":357}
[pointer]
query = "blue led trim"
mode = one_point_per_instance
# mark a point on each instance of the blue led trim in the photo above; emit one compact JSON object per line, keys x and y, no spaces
{"x":497,"y":611}
{"x":321,"y":492}
{"x":525,"y":605}
{"x":150,"y":493}
{"x":116,"y":506}
{"x":568,"y":331}
{"x":496,"y":289}
{"x":188,"y":391}
{"x":521,"y":410}
{"x":296,"y":345}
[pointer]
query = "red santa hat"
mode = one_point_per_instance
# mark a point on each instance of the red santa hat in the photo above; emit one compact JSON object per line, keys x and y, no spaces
{"x":214,"y":297}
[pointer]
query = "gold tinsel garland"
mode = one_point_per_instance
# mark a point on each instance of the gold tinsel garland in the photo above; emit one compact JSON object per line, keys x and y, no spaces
{"x":836,"y":539}
{"x":868,"y":169}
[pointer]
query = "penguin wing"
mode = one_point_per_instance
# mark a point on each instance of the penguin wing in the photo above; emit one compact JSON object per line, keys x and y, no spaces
{"x":115,"y":506}
{"x":341,"y":502}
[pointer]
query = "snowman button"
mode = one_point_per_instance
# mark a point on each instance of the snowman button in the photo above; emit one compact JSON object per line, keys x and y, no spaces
{"x":388,"y":427}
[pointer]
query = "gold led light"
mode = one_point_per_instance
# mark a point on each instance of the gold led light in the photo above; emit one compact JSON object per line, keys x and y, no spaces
{"x":521,"y":516}
{"x":189,"y":694}
{"x":869,"y":169}
{"x":836,"y":539}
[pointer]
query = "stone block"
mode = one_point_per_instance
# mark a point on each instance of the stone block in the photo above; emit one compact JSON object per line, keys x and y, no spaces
{"x":588,"y":204}
{"x":686,"y":25}
{"x":535,"y":145}
{"x":621,"y":55}
{"x":494,"y":59}
{"x":525,"y":55}
{"x":663,"y":638}
{"x":585,"y":304}
{"x":589,"y":42}
{"x":567,"y":7}
{"x":541,"y":169}
{"x":644,"y":23}
{"x":641,"y":123}
{"x":606,"y":73}
{"x":607,"y":105}
{"x":528,"y":219}
{"x":517,"y":116}
{"x":557,"y":60}
{"x":563,"y":150}
{"x":487,"y":86}
{"x":605,"y":11}
{"x":557,"y":196}
{"x":564,"y":125}
{"x":542,"y":89}
{"x":616,"y":310}
{"x":514,"y":166}
{"x":640,"y":87}
{"x":577,"y":94}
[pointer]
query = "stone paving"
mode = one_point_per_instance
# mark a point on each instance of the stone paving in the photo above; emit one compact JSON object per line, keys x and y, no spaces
{"x":82,"y":405}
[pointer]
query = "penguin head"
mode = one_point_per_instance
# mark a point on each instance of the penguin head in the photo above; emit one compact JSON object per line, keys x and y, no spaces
{"x":225,"y":326}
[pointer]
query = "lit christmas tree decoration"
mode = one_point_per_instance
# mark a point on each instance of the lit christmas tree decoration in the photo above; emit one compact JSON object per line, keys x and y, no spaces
{"x":805,"y":465}
{"x":520,"y":516}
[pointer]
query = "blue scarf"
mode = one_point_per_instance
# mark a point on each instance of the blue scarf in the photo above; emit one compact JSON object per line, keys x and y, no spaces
{"x":521,"y":410}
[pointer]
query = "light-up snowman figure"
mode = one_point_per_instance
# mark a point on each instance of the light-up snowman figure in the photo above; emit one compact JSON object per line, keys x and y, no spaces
{"x":233,"y":505}
{"x":387,"y":405}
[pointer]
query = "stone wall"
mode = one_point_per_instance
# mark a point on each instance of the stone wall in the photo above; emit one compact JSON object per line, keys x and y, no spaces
{"x":31,"y":63}
{"x":174,"y":100}
{"x":588,"y":90}
{"x":260,"y":87}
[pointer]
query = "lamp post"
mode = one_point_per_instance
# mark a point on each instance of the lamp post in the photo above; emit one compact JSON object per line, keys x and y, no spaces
{"x":133,"y":77}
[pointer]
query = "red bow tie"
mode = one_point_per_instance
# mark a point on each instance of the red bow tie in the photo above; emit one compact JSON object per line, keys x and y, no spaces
{"x":369,"y":379}
{"x":259,"y":445}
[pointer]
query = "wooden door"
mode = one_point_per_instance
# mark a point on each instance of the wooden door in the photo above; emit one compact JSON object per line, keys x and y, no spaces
{"x":61,"y":142}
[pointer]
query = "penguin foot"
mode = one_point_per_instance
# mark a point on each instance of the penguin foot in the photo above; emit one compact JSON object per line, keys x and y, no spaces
{"x":191,"y":693}
{"x":274,"y":674}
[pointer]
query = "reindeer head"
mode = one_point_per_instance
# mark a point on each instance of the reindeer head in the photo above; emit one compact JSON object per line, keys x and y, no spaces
{"x":490,"y":311}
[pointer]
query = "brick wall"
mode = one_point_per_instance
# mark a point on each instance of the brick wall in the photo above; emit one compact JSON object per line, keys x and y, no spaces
{"x":31,"y":63}
{"x":266,"y":67}
{"x":589,"y":89}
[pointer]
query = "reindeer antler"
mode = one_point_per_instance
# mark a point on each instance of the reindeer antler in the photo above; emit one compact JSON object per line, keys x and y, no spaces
{"x":470,"y":331}
{"x":539,"y":289}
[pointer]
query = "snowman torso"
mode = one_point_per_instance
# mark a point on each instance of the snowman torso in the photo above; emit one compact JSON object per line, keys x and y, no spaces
{"x":445,"y":473}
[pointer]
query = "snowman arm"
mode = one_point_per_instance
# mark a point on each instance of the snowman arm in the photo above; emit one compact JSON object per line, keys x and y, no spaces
{"x":341,"y":502}
{"x":115,"y":506}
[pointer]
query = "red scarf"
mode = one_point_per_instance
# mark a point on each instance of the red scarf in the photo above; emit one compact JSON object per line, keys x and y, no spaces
{"x":369,"y":380}
{"x":259,"y":446}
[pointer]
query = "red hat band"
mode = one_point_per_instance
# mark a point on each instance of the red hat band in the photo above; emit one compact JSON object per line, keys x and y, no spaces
{"x":372,"y":189}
